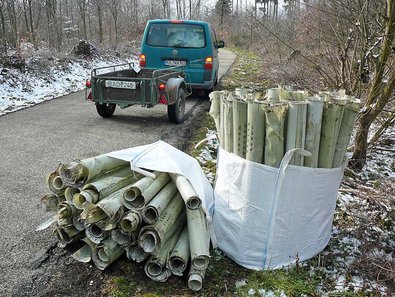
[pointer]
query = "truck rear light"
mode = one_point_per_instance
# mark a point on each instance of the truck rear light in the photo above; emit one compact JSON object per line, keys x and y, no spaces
{"x":208,"y":63}
{"x":176,"y":21}
{"x":142,"y":60}
{"x":88,"y":84}
{"x":162,"y":87}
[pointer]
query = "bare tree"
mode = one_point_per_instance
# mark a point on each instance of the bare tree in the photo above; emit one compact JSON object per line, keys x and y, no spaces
{"x":53,"y":28}
{"x":3,"y":28}
{"x":13,"y":39}
{"x":114,"y":7}
{"x":99,"y":10}
{"x":381,"y":89}
{"x":82,"y":4}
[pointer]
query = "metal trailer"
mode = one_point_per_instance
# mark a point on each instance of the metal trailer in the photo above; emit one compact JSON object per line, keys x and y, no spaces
{"x":128,"y":84}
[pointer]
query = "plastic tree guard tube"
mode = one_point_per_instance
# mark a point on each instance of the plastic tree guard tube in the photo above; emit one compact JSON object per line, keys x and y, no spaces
{"x":275,"y":134}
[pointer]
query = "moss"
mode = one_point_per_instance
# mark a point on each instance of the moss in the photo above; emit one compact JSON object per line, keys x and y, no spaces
{"x":293,"y":282}
{"x":121,"y":287}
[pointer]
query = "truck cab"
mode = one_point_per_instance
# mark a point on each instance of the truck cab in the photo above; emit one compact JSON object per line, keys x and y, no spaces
{"x":190,"y":44}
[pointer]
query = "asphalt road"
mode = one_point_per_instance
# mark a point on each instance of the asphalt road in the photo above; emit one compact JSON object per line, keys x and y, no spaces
{"x":33,"y":142}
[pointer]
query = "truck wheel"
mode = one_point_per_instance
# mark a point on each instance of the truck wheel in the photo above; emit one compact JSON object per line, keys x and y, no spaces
{"x":176,"y":111}
{"x":105,"y":110}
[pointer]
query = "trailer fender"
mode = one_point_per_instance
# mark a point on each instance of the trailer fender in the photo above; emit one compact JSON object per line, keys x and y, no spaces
{"x":172,"y":86}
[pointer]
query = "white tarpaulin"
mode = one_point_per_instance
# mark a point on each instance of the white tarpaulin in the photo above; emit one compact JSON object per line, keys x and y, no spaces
{"x":268,"y":217}
{"x":161,"y":156}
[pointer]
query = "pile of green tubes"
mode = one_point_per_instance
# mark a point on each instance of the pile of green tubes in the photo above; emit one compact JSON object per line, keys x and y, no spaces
{"x":109,"y":210}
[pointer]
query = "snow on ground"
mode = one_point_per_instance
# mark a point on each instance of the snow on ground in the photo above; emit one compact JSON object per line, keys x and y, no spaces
{"x":361,"y":253}
{"x":45,"y":79}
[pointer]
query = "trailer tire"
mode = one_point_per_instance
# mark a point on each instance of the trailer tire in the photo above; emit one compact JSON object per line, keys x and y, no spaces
{"x":176,"y":112}
{"x":105,"y":110}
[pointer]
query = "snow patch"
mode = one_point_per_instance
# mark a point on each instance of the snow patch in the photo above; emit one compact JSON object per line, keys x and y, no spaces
{"x":19,"y":90}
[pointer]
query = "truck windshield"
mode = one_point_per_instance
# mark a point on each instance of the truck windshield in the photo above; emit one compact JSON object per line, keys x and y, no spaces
{"x":176,"y":35}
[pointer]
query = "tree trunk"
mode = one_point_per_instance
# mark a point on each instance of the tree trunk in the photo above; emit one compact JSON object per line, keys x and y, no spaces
{"x":165,"y":11}
{"x":3,"y":38}
{"x":13,"y":23}
{"x":32,"y":31}
{"x":198,"y":9}
{"x":25,"y":15}
{"x":379,"y":93}
{"x":136,"y":14}
{"x":361,"y":143}
{"x":114,"y":13}
{"x":48,"y":11}
{"x":100,"y":20}
{"x":178,"y":8}
{"x":82,"y":12}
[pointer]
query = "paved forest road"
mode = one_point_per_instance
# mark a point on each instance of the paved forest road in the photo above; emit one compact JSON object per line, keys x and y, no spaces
{"x":32,"y":143}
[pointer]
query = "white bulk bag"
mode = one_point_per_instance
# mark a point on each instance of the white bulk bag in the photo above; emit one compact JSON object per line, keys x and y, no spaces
{"x":268,"y":217}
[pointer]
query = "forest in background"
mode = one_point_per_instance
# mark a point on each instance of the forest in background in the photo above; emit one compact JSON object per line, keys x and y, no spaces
{"x":311,"y":44}
{"x":59,"y":24}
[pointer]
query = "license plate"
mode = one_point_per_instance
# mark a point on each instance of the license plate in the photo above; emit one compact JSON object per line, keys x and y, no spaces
{"x":175,"y":63}
{"x":117,"y":84}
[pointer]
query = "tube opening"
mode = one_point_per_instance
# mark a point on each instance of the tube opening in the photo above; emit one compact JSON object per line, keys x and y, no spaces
{"x":137,"y":254}
{"x":150,"y":215}
{"x":96,"y":231}
{"x":79,"y":200}
{"x":177,"y":264}
{"x":138,"y":202}
{"x":69,"y":194}
{"x":130,"y":194}
{"x":200,"y":263}
{"x":154,"y":269}
{"x":193,"y":203}
{"x":126,"y":225}
{"x":58,"y":183}
{"x":148,"y":242}
{"x":195,"y":282}
{"x":73,"y":174}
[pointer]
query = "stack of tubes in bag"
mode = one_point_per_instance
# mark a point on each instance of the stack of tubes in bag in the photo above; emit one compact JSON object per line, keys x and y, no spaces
{"x":263,"y":127}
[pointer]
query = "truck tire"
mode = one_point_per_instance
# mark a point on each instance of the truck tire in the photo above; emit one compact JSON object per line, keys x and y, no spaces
{"x":176,"y":112}
{"x":105,"y":110}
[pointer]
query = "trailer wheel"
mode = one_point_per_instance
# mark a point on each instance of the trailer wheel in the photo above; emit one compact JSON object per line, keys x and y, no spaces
{"x":176,"y":111}
{"x":105,"y":110}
